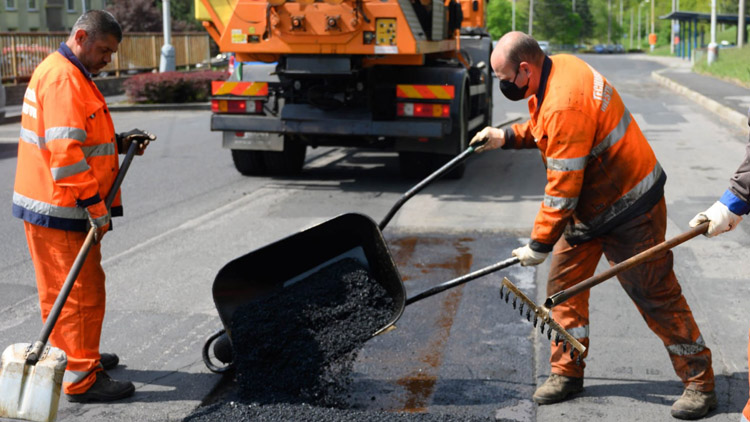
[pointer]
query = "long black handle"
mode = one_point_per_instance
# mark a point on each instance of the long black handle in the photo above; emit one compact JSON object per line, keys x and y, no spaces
{"x":36,"y":351}
{"x":437,"y":174}
{"x":463,"y":279}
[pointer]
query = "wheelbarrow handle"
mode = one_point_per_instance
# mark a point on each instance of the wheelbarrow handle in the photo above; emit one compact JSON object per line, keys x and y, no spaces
{"x":36,"y":350}
{"x":436,"y":175}
{"x":463,"y":279}
{"x":612,"y":271}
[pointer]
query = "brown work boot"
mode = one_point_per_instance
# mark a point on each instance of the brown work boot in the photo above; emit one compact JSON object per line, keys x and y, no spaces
{"x":694,"y":404}
{"x":557,"y":388}
{"x":104,"y":389}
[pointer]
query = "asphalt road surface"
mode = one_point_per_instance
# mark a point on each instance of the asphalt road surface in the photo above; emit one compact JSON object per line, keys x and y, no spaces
{"x":188,"y":212}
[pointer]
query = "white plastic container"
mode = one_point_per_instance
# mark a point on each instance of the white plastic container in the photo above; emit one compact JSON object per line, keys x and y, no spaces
{"x":31,"y":392}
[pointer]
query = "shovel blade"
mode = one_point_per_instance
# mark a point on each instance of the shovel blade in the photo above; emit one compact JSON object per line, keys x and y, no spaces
{"x":31,"y":392}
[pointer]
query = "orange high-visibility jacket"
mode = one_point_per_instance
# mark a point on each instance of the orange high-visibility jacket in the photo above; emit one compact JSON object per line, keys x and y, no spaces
{"x":601,"y":170}
{"x":67,"y":154}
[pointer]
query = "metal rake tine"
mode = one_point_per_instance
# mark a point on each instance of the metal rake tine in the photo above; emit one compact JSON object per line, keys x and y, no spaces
{"x":514,"y":302}
{"x":501,"y":292}
{"x":557,"y":338}
{"x":520,"y":309}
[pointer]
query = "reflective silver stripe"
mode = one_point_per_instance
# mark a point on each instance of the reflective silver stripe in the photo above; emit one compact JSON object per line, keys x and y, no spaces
{"x":621,"y":204}
{"x":566,"y":164}
{"x":744,"y":419}
{"x":30,"y":137}
{"x":687,"y":349}
{"x":560,"y":203}
{"x":65,"y":171}
{"x":579,"y":332}
{"x":613,"y":137}
{"x":75,"y":376}
{"x":44,"y":208}
{"x":99,"y":150}
{"x":62,"y":132}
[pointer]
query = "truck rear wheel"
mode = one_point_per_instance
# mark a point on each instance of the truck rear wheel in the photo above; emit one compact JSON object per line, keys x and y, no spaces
{"x":286,"y":162}
{"x":249,"y":163}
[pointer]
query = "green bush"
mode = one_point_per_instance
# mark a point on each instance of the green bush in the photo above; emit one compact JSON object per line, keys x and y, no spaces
{"x":172,"y":87}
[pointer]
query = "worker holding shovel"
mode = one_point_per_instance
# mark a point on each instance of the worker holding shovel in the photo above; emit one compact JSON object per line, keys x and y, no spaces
{"x":67,"y":163}
{"x":604,"y":195}
{"x":726,"y":213}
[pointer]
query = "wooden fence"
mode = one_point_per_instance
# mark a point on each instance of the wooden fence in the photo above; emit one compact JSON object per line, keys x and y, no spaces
{"x":21,"y":52}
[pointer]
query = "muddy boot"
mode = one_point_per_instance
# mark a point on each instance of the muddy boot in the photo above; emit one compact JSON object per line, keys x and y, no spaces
{"x":557,"y":388}
{"x":104,"y":389}
{"x":694,"y":404}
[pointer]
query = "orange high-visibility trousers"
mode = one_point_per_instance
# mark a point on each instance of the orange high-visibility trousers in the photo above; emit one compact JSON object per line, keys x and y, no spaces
{"x":78,"y":329}
{"x":652,"y":286}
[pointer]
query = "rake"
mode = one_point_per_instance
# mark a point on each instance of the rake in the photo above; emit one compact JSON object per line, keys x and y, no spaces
{"x":542,"y":317}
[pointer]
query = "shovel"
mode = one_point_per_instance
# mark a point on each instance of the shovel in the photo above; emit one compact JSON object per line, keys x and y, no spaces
{"x":31,"y":375}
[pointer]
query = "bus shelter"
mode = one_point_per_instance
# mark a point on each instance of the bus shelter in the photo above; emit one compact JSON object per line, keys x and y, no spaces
{"x":688,"y":29}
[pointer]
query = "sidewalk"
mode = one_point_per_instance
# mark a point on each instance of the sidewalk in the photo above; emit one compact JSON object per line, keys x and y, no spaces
{"x":729,"y":101}
{"x":115,"y":103}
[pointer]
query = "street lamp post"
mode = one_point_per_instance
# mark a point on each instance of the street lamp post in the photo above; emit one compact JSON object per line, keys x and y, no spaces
{"x":638,"y":35}
{"x":531,"y":17}
{"x":712,"y":46}
{"x":167,"y":62}
{"x":653,"y":32}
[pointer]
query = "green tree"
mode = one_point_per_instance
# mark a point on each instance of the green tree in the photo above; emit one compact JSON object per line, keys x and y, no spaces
{"x":587,"y":20}
{"x":555,"y":20}
{"x":499,"y":15}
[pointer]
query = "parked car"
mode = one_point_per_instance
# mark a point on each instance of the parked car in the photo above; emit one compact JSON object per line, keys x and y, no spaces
{"x":600,"y":49}
{"x":544,"y":45}
{"x":619,"y":48}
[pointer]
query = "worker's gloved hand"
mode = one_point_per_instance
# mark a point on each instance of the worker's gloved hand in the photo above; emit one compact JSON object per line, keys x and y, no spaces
{"x":99,"y":218}
{"x":528,"y":256}
{"x":495,"y":138}
{"x":720,"y":218}
{"x":141,"y":136}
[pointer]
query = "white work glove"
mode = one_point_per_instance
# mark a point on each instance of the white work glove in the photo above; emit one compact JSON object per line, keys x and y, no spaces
{"x":528,"y":256}
{"x":495,"y":139}
{"x":721,"y":219}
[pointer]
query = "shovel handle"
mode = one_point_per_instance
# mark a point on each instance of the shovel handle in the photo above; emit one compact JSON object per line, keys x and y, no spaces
{"x":463,"y":279}
{"x":436,"y":175}
{"x":590,"y":282}
{"x":37,"y":348}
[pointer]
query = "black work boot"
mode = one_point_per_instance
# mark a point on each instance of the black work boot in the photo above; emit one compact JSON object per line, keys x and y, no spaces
{"x":109,"y":361}
{"x":694,"y":404}
{"x":104,"y":389}
{"x":557,"y":388}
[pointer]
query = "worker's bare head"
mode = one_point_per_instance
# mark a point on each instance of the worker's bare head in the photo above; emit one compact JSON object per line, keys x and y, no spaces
{"x":93,"y":39}
{"x":517,"y":61}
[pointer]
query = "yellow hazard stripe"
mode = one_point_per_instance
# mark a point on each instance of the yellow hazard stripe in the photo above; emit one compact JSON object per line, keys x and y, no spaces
{"x":437,"y":92}
{"x":239,"y":88}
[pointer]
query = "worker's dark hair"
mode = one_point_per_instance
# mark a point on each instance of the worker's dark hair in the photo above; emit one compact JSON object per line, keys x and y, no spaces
{"x":98,"y":23}
{"x":525,"y":49}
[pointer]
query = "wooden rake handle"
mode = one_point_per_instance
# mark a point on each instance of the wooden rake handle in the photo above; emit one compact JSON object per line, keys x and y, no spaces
{"x":590,"y":282}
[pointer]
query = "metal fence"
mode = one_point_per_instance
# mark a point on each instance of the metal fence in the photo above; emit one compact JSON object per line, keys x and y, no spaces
{"x":21,"y":52}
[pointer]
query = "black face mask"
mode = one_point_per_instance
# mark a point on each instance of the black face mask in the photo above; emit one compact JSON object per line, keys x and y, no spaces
{"x":512,"y":91}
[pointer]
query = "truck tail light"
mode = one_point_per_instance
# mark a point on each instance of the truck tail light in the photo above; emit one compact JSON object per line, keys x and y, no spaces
{"x":406,"y":109}
{"x":236,"y":106}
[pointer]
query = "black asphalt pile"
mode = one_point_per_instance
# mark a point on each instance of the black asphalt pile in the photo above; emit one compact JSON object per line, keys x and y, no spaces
{"x":237,"y":411}
{"x":299,"y":344}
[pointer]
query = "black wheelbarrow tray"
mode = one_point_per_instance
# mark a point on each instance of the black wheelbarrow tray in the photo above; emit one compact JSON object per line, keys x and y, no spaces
{"x":352,"y":235}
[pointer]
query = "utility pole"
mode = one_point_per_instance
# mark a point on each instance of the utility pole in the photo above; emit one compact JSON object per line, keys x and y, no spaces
{"x":653,"y":18}
{"x":83,"y":6}
{"x":712,"y":47}
{"x":639,"y":25}
{"x":531,"y":17}
{"x":609,"y":21}
{"x":741,"y":24}
{"x":630,"y":47}
{"x":671,"y":30}
{"x":167,"y":62}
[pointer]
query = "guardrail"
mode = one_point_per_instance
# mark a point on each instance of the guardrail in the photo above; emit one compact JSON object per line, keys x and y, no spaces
{"x":21,"y":52}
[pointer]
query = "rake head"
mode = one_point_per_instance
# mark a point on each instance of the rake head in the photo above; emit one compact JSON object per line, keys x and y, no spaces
{"x":541,"y":313}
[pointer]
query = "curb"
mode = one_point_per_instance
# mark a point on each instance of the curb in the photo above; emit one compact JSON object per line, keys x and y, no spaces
{"x":730,"y":115}
{"x":160,"y":107}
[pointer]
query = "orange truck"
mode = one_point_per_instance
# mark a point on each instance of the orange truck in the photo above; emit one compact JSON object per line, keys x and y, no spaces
{"x":406,"y":75}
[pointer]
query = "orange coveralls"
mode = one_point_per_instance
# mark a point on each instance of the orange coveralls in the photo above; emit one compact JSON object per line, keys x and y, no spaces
{"x":67,"y":162}
{"x":604,"y":195}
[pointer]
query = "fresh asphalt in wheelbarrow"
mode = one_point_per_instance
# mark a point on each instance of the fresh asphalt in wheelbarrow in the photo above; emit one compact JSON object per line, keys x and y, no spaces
{"x":432,"y":362}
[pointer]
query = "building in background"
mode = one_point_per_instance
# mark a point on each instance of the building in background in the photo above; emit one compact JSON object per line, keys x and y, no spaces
{"x":43,"y":15}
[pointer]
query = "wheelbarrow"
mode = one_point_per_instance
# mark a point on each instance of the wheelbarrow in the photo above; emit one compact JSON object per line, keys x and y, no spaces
{"x":350,"y":235}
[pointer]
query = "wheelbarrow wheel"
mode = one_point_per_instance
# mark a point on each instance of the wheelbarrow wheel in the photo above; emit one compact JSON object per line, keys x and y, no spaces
{"x":222,"y":351}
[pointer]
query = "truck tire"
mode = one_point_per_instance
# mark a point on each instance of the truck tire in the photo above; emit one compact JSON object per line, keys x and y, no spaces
{"x":249,"y":163}
{"x":287,"y":162}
